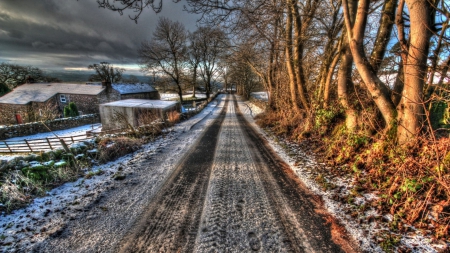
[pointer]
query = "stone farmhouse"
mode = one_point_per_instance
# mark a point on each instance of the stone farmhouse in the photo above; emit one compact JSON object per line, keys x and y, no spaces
{"x":34,"y":101}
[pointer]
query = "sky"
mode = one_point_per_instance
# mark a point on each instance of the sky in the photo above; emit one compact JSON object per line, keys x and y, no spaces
{"x":58,"y":35}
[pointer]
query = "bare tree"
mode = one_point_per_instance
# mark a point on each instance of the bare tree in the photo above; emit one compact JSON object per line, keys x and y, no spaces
{"x":167,"y":51}
{"x":131,"y":79}
{"x":242,"y":73}
{"x":194,"y":59}
{"x":211,"y":44}
{"x":105,"y":72}
{"x":136,"y":6}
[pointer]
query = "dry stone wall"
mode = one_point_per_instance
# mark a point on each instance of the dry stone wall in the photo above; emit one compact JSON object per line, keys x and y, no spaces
{"x":37,"y":127}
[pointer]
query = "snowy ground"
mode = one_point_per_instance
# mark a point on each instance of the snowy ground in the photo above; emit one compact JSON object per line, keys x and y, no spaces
{"x":60,"y":133}
{"x":46,"y":215}
{"x":261,"y":95}
{"x":76,"y":131}
{"x":168,"y":96}
{"x":305,"y":166}
{"x":23,"y":228}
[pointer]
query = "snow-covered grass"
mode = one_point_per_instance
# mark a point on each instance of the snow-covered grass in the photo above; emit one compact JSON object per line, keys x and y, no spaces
{"x":46,"y":215}
{"x":169,"y":96}
{"x":364,"y":231}
{"x":76,"y":131}
{"x":60,"y":133}
{"x":261,"y":95}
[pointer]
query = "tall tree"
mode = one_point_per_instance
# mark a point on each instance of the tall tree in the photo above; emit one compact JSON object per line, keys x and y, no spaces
{"x":166,"y":51}
{"x":411,"y":108}
{"x":212,"y":43}
{"x":379,"y":91}
{"x":194,"y":59}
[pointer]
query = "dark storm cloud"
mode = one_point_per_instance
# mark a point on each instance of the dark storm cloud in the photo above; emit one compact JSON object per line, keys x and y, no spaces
{"x":15,"y":34}
{"x":54,"y":34}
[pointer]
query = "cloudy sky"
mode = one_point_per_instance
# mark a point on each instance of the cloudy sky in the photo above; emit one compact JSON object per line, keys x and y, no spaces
{"x":70,"y":34}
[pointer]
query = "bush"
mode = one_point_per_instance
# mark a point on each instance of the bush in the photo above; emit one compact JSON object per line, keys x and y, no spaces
{"x":113,"y":148}
{"x":71,"y":110}
{"x":173,"y":117}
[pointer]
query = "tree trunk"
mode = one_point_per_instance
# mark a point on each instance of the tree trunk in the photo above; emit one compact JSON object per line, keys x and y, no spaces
{"x":411,"y":106}
{"x":398,"y":85}
{"x":345,"y":87}
{"x":435,"y":57}
{"x":328,"y":80}
{"x":289,"y":60}
{"x":384,"y":34}
{"x":298,"y":57}
{"x":377,"y":89}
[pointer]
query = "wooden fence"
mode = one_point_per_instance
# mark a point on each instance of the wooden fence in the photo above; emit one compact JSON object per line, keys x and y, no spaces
{"x":37,"y":145}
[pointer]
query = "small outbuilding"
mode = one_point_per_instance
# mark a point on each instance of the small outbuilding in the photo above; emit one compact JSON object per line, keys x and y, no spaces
{"x":135,"y":112}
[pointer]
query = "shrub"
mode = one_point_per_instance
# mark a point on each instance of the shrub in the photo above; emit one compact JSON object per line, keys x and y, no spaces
{"x":71,"y":110}
{"x":113,"y":148}
{"x":173,"y":117}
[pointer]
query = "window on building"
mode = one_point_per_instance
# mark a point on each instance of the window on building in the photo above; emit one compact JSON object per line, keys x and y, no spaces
{"x":62,"y":98}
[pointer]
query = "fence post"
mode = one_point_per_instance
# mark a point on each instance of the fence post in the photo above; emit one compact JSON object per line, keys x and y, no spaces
{"x":28,"y":144}
{"x":49,"y":143}
{"x":63,"y":143}
{"x":8,"y":147}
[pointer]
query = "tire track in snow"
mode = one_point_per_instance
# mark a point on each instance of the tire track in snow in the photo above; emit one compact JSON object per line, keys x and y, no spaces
{"x":170,"y":222}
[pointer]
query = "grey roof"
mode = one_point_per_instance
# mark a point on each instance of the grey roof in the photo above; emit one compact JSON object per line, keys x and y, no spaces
{"x":132,"y":88}
{"x":41,"y":92}
{"x":141,"y":103}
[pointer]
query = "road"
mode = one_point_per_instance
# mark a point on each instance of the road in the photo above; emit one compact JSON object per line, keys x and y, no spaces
{"x":228,"y":191}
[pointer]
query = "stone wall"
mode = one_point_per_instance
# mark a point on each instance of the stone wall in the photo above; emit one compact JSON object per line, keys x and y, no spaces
{"x":87,"y":104}
{"x":8,"y":113}
{"x":37,"y":127}
{"x":108,"y":95}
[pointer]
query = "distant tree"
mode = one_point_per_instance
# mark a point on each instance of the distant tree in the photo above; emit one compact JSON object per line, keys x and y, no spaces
{"x":105,"y":72}
{"x":49,"y":79}
{"x":194,"y":58}
{"x":12,"y":75}
{"x":71,"y":110}
{"x":211,"y":44}
{"x":166,"y":51}
{"x":131,"y":79}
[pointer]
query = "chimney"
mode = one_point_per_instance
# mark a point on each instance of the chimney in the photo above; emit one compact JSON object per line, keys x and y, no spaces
{"x":106,"y":84}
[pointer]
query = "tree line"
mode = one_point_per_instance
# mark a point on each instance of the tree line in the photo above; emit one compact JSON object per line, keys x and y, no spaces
{"x":315,"y":56}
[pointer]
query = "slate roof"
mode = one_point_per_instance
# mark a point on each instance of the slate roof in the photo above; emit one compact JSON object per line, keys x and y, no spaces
{"x":142,"y":103}
{"x":41,"y":92}
{"x":127,"y":88}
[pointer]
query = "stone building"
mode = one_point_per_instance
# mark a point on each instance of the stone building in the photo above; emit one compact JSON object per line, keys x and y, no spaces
{"x":134,"y":112}
{"x":36,"y":101}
